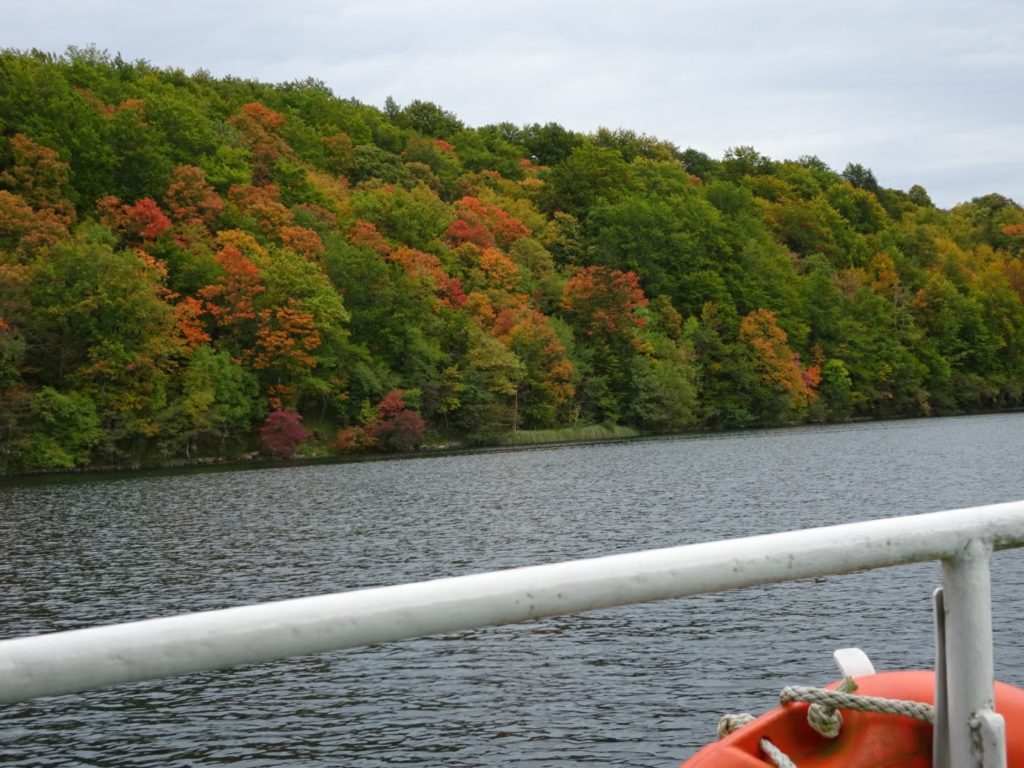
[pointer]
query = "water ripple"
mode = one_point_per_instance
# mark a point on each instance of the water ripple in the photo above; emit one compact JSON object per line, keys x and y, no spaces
{"x":640,"y":685}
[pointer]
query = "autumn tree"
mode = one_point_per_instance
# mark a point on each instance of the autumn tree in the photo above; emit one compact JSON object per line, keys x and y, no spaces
{"x":263,"y":205}
{"x":286,"y":339}
{"x":282,"y":434}
{"x":603,"y":301}
{"x":180,"y":255}
{"x":604,"y":308}
{"x":545,"y":390}
{"x":34,"y":209}
{"x":484,"y":225}
{"x":260,"y":129}
{"x":24,"y":231}
{"x":40,"y":178}
{"x":142,"y":220}
{"x":397,"y":428}
{"x":190,"y":198}
{"x":230,"y":301}
{"x":778,"y":365}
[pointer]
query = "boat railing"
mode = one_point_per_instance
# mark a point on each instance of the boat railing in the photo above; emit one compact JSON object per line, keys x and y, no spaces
{"x":963,"y":540}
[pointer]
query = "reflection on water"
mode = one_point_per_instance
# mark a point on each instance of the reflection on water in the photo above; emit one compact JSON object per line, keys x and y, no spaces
{"x":639,"y":686}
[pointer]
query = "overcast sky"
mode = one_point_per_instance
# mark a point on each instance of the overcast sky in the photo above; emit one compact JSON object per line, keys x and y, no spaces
{"x":924,"y":92}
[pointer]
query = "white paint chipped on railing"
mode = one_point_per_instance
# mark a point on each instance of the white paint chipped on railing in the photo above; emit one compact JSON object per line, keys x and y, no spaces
{"x":79,"y":660}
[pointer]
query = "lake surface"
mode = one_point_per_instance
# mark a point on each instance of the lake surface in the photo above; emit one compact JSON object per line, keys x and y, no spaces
{"x":637,"y":686}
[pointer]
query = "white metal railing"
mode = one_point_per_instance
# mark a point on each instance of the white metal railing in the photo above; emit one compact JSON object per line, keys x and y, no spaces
{"x":78,"y":660}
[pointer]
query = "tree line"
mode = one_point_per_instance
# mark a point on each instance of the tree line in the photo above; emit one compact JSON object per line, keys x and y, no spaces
{"x":195,"y":267}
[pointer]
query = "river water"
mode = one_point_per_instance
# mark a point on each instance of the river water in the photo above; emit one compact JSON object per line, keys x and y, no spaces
{"x":634,"y":686}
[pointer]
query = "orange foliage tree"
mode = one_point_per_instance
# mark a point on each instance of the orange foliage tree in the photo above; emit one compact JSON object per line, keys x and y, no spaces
{"x":230,"y":300}
{"x":40,"y":178}
{"x":604,"y":301}
{"x":427,"y":266}
{"x":188,"y":314}
{"x":259,"y":129}
{"x":302,"y":240}
{"x":546,"y":389}
{"x":34,"y":210}
{"x":777,"y":363}
{"x":285,"y":341}
{"x":24,"y":230}
{"x":190,"y":198}
{"x":263,"y":204}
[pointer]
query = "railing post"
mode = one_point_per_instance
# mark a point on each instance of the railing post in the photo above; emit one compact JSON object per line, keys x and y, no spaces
{"x":940,"y":728}
{"x":967,"y":598}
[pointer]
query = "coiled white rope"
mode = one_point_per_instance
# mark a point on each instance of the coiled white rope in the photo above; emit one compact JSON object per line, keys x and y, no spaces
{"x":843,"y":700}
{"x":823,"y":714}
{"x":730,"y":723}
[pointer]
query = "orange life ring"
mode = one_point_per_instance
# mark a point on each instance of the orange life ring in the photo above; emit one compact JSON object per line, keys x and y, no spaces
{"x":867,"y":739}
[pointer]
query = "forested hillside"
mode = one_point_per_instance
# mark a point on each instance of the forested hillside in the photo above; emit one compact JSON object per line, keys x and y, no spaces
{"x":194,"y":267}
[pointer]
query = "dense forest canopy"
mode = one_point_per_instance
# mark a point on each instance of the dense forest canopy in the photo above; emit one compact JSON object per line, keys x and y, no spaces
{"x":197,"y":267}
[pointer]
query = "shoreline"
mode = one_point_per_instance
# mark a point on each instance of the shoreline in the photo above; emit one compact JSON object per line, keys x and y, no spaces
{"x":611,"y":433}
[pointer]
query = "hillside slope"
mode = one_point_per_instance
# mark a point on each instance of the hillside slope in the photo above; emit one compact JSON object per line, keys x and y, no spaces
{"x":196,"y":267}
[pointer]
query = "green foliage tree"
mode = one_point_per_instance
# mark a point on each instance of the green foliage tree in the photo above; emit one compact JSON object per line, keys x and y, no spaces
{"x":102,"y":328}
{"x":63,"y":431}
{"x":591,"y":173}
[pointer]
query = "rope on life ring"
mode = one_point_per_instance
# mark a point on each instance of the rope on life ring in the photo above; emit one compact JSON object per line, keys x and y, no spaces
{"x":823,"y":713}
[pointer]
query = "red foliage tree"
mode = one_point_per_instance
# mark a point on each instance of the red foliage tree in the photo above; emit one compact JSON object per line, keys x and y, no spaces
{"x":404,"y":432}
{"x":147,"y":219}
{"x":142,"y":220}
{"x":392,"y":404}
{"x":484,"y":225}
{"x":282,"y":433}
{"x":394,"y":428}
{"x":397,"y":428}
{"x":476,"y":232}
{"x":451,"y":292}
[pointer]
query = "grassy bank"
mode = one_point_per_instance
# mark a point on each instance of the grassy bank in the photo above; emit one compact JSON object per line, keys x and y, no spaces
{"x":567,"y":434}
